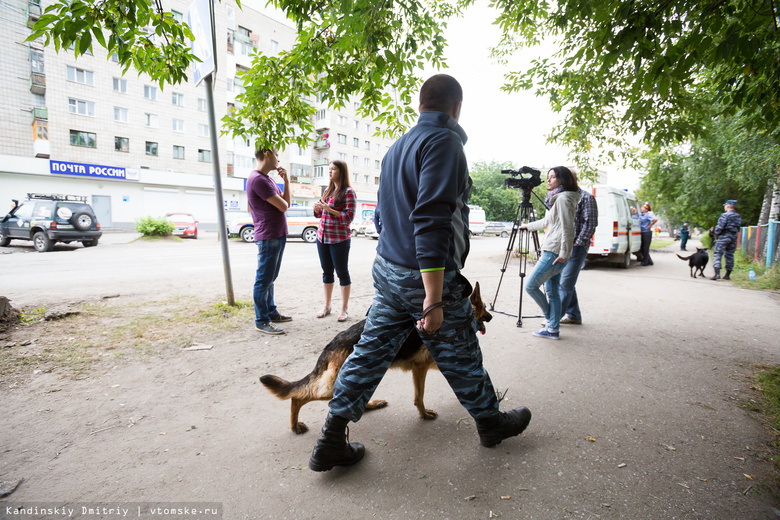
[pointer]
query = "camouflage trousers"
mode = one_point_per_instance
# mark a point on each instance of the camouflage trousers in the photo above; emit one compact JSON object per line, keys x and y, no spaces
{"x":724,"y":244}
{"x":397,"y":305}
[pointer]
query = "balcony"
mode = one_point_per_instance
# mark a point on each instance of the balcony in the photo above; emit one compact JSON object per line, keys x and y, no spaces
{"x":41,"y":148}
{"x":230,"y":170}
{"x":38,"y":83}
{"x":33,"y":11}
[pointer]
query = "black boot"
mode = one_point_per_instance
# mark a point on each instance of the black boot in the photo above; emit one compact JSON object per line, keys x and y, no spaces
{"x":728,"y":275}
{"x":502,"y":426}
{"x":333,"y":447}
{"x":717,"y":274}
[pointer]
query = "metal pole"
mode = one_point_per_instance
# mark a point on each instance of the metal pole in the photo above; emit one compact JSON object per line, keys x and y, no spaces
{"x":223,"y":239}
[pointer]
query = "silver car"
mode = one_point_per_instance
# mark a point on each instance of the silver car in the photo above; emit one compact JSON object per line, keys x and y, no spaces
{"x":301,"y":223}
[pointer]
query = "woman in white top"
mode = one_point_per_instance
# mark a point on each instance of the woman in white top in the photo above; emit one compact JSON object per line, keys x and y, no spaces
{"x":562,"y":198}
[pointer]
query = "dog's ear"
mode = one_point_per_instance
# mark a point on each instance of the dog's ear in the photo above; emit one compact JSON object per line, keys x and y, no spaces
{"x":475,"y":295}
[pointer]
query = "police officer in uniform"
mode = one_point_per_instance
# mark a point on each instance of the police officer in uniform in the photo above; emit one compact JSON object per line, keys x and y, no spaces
{"x":726,"y":241}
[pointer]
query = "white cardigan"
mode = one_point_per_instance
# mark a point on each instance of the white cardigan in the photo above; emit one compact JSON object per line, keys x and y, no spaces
{"x":559,"y":221}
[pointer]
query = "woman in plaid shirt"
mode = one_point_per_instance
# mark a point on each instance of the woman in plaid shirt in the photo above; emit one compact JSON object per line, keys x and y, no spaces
{"x":335,"y":209}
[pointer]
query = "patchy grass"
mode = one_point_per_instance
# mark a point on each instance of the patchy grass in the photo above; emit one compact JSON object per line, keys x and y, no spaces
{"x":658,"y":244}
{"x":766,"y":279}
{"x":117,"y":330}
{"x":768,"y":405}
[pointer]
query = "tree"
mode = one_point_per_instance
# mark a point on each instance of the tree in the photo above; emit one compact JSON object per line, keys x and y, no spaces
{"x":488,"y":191}
{"x":371,"y":50}
{"x":647,"y":68}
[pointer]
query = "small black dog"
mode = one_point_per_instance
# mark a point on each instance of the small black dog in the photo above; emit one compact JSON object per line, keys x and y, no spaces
{"x":697,"y":261}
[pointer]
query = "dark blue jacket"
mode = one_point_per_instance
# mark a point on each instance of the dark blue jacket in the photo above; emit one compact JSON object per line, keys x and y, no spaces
{"x":422,"y":210}
{"x":728,"y":223}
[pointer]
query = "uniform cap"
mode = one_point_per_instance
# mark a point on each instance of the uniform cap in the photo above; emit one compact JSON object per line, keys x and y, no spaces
{"x":730,"y":202}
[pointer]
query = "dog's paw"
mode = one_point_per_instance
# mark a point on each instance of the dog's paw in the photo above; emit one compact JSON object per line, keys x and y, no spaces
{"x":376,"y":403}
{"x":429,"y":415}
{"x":300,"y":428}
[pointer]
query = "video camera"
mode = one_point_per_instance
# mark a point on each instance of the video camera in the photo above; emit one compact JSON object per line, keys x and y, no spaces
{"x":529,"y":182}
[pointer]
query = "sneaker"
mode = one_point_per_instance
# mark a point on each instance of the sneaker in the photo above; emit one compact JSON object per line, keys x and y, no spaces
{"x":571,"y":321}
{"x":280,"y":318}
{"x":544,"y":333}
{"x":267,"y":328}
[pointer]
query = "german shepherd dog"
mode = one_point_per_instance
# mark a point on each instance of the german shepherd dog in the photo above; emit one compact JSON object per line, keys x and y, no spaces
{"x":318,"y":385}
{"x":697,"y":261}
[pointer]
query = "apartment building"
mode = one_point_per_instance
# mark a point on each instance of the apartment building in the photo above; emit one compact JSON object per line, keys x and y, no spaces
{"x":79,"y":126}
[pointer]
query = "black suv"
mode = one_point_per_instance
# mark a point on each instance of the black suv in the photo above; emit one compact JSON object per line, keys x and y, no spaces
{"x":49,"y":218}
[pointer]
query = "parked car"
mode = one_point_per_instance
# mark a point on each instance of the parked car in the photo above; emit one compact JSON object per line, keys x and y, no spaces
{"x":502,"y":229}
{"x":50,"y":218}
{"x":186,"y":225}
{"x":301,"y":223}
{"x":617,"y":236}
{"x":476,"y":220}
{"x":362,"y":227}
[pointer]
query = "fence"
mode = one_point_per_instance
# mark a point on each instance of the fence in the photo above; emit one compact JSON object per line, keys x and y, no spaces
{"x":761,"y":242}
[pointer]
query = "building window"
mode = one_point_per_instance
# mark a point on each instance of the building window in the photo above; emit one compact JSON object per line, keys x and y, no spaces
{"x":151,"y":148}
{"x":86,"y":139}
{"x":342,"y":120}
{"x":354,"y":177}
{"x":366,"y":162}
{"x":114,"y":57}
{"x":84,"y":108}
{"x":356,"y":105}
{"x":368,"y":128}
{"x":355,"y":159}
{"x":178,"y":152}
{"x":177,"y":16}
{"x":204,"y":155}
{"x":321,"y":114}
{"x":244,"y":31}
{"x":230,"y":40}
{"x":150,"y":120}
{"x":355,"y":142}
{"x":230,"y":84}
{"x":203,"y":130}
{"x":367,"y":145}
{"x":365,"y":179}
{"x":376,"y":164}
{"x":319,"y":172}
{"x":357,"y":124}
{"x":246,"y":48}
{"x":150,"y":92}
{"x":342,"y":157}
{"x":342,"y":139}
{"x":121,"y":144}
{"x":120,"y":85}
{"x":80,"y":76}
{"x":274,"y":45}
{"x":178,"y":125}
{"x":36,"y":61}
{"x":120,"y":114}
{"x":376,"y":181}
{"x":201,"y":105}
{"x":177,"y":99}
{"x":41,"y":129}
{"x":377,"y":147}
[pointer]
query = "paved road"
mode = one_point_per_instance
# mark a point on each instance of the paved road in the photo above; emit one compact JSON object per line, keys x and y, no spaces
{"x":638,"y":413}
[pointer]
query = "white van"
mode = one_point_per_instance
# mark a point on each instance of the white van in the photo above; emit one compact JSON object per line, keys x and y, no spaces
{"x":477,"y":220}
{"x":618,"y":235}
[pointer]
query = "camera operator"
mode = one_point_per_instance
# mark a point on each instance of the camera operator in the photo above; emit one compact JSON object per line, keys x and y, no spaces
{"x":562,"y":198}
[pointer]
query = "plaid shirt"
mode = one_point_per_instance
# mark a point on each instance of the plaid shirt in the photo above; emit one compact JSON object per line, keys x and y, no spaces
{"x":586,"y":219}
{"x":334,"y":229}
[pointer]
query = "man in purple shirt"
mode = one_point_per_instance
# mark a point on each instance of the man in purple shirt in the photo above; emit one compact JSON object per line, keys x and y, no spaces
{"x":268,"y":205}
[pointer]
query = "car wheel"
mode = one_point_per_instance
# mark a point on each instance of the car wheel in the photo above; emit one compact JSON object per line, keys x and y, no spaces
{"x":504,"y":234}
{"x":353,"y":233}
{"x":90,"y":243}
{"x":42,"y":243}
{"x":4,"y":240}
{"x":248,"y":234}
{"x":82,"y":221}
{"x":310,"y":235}
{"x":626,"y":260}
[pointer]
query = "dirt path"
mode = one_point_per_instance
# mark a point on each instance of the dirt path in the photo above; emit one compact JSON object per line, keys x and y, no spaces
{"x":638,"y":413}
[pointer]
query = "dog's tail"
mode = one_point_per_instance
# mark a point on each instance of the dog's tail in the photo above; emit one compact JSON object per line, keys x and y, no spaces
{"x":684,"y":257}
{"x":281,"y":388}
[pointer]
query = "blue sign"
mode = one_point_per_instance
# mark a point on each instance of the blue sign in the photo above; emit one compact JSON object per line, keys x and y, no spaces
{"x":93,"y":170}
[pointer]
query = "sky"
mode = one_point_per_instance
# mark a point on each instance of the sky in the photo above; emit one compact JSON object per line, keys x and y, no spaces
{"x":500,"y":126}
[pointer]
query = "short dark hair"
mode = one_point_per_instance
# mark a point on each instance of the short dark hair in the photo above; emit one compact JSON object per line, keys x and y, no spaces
{"x":440,"y":93}
{"x":261,"y":152}
{"x":566,"y":178}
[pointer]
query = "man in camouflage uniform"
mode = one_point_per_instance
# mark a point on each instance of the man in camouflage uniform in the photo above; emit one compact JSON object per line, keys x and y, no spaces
{"x":726,"y":241}
{"x":422,"y":216}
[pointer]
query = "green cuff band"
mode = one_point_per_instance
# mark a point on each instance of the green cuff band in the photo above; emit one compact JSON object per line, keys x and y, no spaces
{"x":432,"y":269}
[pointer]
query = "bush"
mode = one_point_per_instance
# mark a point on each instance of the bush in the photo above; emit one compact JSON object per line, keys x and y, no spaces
{"x":154,"y":227}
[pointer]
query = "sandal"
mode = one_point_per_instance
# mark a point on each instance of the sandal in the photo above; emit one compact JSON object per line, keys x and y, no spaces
{"x":325,"y":311}
{"x":344,"y":315}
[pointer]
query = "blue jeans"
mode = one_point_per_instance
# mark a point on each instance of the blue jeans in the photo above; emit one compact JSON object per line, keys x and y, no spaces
{"x":397,"y":305}
{"x":335,"y":256}
{"x":569,"y":304}
{"x":550,"y":275}
{"x":269,"y":260}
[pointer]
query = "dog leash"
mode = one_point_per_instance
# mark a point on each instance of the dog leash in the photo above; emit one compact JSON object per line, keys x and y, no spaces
{"x":436,"y":334}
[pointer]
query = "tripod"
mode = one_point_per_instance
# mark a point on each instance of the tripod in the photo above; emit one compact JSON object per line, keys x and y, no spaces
{"x":525,"y":213}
